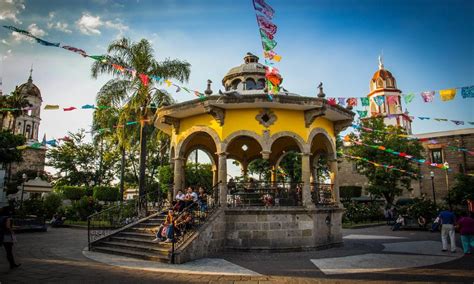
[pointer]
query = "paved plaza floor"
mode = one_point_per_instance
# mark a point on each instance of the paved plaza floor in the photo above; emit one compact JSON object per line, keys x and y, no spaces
{"x":371,"y":254}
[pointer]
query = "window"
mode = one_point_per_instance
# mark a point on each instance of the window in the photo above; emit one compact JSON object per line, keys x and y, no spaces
{"x":261,"y":84}
{"x":236,"y":84}
{"x":436,"y":156}
{"x":379,"y":83}
{"x":250,"y":84}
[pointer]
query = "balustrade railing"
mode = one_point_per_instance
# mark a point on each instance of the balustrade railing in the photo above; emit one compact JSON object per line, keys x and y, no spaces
{"x":322,"y":194}
{"x":243,"y":194}
{"x":112,"y":219}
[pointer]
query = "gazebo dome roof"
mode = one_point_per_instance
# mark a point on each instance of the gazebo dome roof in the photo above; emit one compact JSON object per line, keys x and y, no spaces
{"x":249,"y":67}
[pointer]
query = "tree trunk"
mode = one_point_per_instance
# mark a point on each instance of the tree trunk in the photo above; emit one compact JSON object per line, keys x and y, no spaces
{"x":142,"y":165}
{"x":122,"y":173}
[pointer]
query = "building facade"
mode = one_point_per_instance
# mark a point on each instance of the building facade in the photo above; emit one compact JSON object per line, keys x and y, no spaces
{"x":438,"y":146}
{"x":27,"y":124}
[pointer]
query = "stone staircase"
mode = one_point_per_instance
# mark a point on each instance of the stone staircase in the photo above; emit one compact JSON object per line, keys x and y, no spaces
{"x":136,"y":241}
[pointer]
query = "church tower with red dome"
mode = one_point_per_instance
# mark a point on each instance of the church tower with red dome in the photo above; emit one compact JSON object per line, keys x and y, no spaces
{"x":385,"y":99}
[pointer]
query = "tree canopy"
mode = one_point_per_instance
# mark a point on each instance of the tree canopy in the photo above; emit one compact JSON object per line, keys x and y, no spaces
{"x":385,"y":182}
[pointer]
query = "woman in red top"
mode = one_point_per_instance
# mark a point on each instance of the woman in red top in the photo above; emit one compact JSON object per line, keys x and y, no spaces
{"x":466,"y":228}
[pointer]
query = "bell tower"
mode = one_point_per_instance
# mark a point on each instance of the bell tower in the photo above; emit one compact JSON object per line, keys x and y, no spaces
{"x":385,"y":99}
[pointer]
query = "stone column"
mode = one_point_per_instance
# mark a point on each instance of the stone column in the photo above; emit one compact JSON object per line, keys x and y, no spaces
{"x":178,"y":175}
{"x":334,"y":180}
{"x":305,"y":178}
{"x":222,"y":172}
{"x":215,"y":178}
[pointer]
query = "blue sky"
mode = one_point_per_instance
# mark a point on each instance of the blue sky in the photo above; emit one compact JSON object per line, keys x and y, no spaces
{"x":427,"y":45}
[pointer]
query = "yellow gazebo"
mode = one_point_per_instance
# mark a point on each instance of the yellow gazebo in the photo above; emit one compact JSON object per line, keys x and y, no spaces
{"x":242,"y":123}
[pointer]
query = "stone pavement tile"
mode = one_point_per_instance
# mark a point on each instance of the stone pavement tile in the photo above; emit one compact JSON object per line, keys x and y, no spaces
{"x":246,"y":282}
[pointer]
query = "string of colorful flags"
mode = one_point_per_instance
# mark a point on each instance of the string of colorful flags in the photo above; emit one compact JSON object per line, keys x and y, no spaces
{"x":430,"y":141}
{"x":264,"y":14}
{"x":427,"y":97}
{"x":400,"y":154}
{"x":54,"y":142}
{"x":388,"y":167}
{"x":144,"y":78}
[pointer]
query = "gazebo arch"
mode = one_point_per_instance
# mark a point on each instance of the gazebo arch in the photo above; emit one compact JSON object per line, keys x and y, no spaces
{"x":299,"y":141}
{"x":239,"y":133}
{"x":328,"y":142}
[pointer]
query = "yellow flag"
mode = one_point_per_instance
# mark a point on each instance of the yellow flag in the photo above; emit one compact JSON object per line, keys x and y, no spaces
{"x":168,"y":82}
{"x":22,"y":147}
{"x":51,"y":107}
{"x":277,"y":58}
{"x":447,"y":95}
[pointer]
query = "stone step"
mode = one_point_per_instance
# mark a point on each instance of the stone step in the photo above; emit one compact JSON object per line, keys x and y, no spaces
{"x":148,"y":224}
{"x":134,"y":254}
{"x":145,"y":230}
{"x":134,"y":234}
{"x":143,"y":247}
{"x":138,"y":241}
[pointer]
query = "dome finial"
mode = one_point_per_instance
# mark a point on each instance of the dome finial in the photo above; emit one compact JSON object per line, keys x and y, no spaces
{"x":208,"y":91}
{"x":380,"y":62}
{"x":30,"y":79}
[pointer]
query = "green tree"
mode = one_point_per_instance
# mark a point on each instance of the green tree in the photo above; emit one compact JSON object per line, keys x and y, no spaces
{"x":8,"y":143}
{"x":16,"y":101}
{"x":260,"y":167}
{"x":137,"y":100}
{"x":77,"y":162}
{"x":200,"y":175}
{"x":462,"y":190}
{"x":385,"y":182}
{"x":291,"y":165}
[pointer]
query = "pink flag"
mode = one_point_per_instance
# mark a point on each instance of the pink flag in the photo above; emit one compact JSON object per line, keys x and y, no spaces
{"x":69,"y":108}
{"x":392,"y":100}
{"x":428,"y":96}
{"x":266,"y":25}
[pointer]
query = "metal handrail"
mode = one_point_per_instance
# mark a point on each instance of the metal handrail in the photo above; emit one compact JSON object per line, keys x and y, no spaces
{"x":186,"y":235}
{"x":109,"y":230}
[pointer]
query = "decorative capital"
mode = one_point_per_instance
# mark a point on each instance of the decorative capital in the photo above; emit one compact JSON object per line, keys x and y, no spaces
{"x":171,"y":121}
{"x":216,"y":112}
{"x":312,"y":114}
{"x":266,"y":117}
{"x":265,"y":154}
{"x":341,"y":125}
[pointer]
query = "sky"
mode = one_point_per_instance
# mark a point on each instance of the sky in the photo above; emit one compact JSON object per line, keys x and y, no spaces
{"x":427,"y":45}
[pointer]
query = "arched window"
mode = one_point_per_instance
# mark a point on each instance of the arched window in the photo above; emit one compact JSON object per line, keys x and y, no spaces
{"x":261,"y":84}
{"x":250,"y":84}
{"x":28,"y":131}
{"x":379,"y":83}
{"x":389,"y":82}
{"x":236,"y":84}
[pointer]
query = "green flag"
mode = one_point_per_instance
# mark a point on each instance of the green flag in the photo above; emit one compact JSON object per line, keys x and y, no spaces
{"x":267,"y":43}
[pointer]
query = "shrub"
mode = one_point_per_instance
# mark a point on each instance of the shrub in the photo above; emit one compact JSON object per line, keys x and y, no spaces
{"x":106,"y":193}
{"x":420,"y":207}
{"x":51,"y":203}
{"x":84,"y":207}
{"x":33,"y":207}
{"x":348,"y":192}
{"x":72,"y":192}
{"x":359,"y":212}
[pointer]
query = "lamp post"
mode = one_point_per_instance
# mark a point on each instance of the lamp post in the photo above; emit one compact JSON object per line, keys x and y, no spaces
{"x":432,"y":187}
{"x":24,"y":177}
{"x":446,"y":168}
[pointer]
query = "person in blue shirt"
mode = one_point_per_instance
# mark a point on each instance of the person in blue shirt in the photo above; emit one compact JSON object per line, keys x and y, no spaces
{"x":447,"y":220}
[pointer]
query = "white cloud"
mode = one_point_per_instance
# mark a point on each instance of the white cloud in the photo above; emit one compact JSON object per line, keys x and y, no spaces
{"x":90,"y":25}
{"x":9,"y":10}
{"x":5,"y":42}
{"x":6,"y":55}
{"x":60,"y":26}
{"x":33,"y":29}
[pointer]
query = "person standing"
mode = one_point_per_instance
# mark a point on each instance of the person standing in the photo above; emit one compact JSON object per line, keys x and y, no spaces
{"x":466,"y":229}
{"x":7,"y":235}
{"x":447,"y":221}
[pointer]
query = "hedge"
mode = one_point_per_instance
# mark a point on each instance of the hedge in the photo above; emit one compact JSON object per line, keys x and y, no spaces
{"x":106,"y":193}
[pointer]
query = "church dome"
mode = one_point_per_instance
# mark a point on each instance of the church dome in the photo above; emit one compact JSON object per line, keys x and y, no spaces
{"x":248,"y":76}
{"x":29,"y":89}
{"x":383,"y":79}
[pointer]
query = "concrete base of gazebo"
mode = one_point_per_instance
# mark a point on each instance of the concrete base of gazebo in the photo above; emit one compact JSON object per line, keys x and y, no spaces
{"x":268,"y":229}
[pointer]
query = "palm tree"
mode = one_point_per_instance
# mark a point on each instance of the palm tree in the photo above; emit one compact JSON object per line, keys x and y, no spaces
{"x":134,"y":98}
{"x":16,"y":101}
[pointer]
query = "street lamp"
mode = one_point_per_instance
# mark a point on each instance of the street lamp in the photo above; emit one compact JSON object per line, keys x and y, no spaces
{"x":24,"y":177}
{"x":446,"y":167}
{"x":432,"y":187}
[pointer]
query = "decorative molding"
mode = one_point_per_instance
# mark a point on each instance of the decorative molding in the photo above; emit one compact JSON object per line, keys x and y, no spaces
{"x":171,"y":121}
{"x":266,"y":117}
{"x":216,"y":112}
{"x":311,"y":114}
{"x":341,"y":125}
